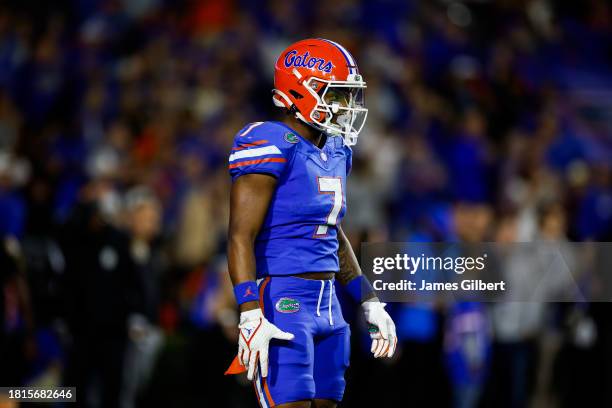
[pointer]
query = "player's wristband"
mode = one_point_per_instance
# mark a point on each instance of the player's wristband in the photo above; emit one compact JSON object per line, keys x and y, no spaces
{"x":360,"y":289}
{"x":246,"y":292}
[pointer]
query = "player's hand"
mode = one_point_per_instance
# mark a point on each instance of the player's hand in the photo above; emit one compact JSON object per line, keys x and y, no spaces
{"x":255,"y":335}
{"x":381,"y":328}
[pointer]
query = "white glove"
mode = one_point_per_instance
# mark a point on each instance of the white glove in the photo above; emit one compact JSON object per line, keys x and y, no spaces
{"x":381,"y":328}
{"x":255,"y":335}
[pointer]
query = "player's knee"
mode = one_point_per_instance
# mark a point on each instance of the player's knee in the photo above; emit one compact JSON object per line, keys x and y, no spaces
{"x":296,"y":404}
{"x":324,"y":403}
{"x":332,"y":391}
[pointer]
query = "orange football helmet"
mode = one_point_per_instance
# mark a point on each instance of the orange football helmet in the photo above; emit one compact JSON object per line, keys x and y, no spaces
{"x":318,"y":81}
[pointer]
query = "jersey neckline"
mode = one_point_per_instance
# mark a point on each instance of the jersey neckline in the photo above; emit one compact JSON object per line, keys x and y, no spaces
{"x":319,"y":149}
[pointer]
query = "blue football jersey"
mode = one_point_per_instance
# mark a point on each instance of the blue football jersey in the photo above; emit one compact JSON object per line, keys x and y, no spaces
{"x":299,"y":233}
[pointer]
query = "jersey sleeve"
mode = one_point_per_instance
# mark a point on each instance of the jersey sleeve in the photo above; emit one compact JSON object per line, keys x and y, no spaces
{"x":260,"y":148}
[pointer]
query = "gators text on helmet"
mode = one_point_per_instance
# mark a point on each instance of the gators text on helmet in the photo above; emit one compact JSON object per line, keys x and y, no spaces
{"x":318,"y":81}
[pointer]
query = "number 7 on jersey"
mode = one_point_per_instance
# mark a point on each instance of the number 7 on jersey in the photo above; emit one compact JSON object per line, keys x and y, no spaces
{"x":330,"y":185}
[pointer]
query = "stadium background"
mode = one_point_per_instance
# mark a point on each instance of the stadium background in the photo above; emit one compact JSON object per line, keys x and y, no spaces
{"x":488,"y":121}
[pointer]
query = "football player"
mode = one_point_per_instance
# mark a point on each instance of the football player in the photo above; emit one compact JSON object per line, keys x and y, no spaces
{"x":286,"y":247}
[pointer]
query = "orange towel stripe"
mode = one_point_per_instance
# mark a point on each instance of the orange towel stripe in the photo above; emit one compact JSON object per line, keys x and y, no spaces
{"x":235,"y":367}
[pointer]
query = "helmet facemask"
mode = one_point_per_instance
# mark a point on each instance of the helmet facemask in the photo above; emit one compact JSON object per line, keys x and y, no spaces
{"x":340,"y":108}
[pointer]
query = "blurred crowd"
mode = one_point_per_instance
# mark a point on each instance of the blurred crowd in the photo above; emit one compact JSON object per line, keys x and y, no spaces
{"x":489,"y":121}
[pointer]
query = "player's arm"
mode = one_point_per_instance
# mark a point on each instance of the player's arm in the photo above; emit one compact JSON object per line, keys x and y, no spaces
{"x":349,"y":267}
{"x":382,"y":328}
{"x":249,"y":201}
{"x":250,"y":198}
